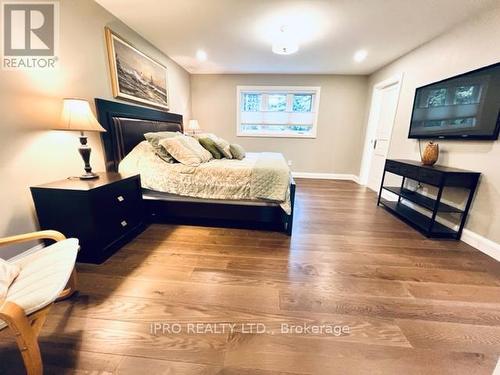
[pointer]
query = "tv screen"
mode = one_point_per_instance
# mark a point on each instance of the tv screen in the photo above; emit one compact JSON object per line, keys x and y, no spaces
{"x":463,"y":107}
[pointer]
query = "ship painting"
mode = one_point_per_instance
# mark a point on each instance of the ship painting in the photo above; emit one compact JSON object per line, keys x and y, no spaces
{"x":134,"y":75}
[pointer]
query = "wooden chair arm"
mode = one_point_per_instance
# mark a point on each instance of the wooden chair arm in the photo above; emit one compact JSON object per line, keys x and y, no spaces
{"x":40,"y":235}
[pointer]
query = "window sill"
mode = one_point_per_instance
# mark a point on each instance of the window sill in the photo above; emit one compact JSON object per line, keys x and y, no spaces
{"x":306,"y":136}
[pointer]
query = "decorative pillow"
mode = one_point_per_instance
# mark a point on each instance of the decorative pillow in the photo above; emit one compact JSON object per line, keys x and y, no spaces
{"x":211,"y":136}
{"x":154,"y":139}
{"x":237,"y":151}
{"x":180,"y":151}
{"x":210,"y":145}
{"x":8,"y":272}
{"x":194,"y":145}
{"x":223,"y":146}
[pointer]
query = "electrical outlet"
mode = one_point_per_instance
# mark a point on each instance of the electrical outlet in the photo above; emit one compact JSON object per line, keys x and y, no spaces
{"x":290,"y":162}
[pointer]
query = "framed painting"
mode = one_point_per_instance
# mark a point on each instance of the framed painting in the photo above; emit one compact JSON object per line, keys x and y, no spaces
{"x":134,"y":75}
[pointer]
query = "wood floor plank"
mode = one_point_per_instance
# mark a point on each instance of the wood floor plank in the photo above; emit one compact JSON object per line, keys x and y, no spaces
{"x":320,"y":356}
{"x":133,"y":339}
{"x":279,"y":280}
{"x":252,"y":298}
{"x":452,"y":336}
{"x":397,"y":308}
{"x":452,"y":292}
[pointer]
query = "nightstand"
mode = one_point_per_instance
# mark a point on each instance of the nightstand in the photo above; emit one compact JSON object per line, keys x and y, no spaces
{"x":103,"y":214}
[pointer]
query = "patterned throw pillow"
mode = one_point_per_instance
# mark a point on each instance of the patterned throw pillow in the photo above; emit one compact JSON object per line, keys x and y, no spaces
{"x":154,"y":139}
{"x":180,"y":151}
{"x":194,"y":145}
{"x":211,"y":147}
{"x":237,"y":151}
{"x":223,"y":146}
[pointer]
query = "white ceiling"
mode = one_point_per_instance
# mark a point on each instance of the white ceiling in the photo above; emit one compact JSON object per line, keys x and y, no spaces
{"x":237,"y":34}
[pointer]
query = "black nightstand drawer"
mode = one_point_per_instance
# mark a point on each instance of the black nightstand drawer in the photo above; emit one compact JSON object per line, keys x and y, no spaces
{"x":103,"y":213}
{"x":123,"y":199}
{"x":116,"y":227}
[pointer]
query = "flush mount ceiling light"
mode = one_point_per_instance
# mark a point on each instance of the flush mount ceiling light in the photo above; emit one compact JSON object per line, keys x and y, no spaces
{"x":201,"y":55}
{"x":360,"y":55}
{"x":284,"y":45}
{"x":285,"y":48}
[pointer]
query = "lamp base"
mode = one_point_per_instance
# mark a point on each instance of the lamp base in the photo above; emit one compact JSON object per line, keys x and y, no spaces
{"x":84,"y":151}
{"x":89,"y":176}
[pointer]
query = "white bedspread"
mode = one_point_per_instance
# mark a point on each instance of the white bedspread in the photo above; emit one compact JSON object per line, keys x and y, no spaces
{"x":227,"y":179}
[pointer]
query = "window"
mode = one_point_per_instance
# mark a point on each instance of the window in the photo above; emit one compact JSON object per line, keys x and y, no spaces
{"x":277,"y":111}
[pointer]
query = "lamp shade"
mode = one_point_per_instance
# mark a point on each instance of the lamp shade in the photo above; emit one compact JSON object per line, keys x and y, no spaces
{"x":193,"y":125}
{"x":77,"y":115}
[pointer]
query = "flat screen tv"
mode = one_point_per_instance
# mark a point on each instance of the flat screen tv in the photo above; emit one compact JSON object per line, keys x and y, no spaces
{"x":462,"y":107}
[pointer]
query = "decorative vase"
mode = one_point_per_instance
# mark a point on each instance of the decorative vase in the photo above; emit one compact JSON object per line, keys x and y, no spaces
{"x":431,"y":154}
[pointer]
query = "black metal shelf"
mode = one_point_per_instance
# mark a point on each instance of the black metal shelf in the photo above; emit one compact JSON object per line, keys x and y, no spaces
{"x":438,"y":176}
{"x":422,"y":200}
{"x":418,"y":220}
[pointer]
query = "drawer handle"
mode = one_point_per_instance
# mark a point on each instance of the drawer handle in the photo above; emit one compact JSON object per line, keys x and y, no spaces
{"x":120,"y":198}
{"x":124,"y":223}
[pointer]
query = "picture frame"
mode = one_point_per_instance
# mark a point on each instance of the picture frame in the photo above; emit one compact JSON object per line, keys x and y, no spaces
{"x":134,"y":75}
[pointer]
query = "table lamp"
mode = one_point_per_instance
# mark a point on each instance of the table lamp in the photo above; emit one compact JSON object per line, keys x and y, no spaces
{"x":193,"y":126}
{"x":77,"y":116}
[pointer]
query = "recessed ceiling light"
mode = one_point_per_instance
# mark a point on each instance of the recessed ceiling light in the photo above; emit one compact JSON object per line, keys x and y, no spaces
{"x":360,"y":55}
{"x":201,"y":55}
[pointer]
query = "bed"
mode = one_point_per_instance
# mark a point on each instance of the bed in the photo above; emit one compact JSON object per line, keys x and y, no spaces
{"x":126,"y":125}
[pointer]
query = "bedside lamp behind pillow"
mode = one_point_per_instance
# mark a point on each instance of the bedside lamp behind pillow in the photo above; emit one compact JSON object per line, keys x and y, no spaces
{"x":77,"y":116}
{"x":193,"y":126}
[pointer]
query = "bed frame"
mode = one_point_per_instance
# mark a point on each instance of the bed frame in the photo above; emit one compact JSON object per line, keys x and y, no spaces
{"x":123,"y":135}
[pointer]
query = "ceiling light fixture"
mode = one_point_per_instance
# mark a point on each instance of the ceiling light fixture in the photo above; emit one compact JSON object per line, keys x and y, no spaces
{"x":201,"y":55}
{"x":283,"y":44}
{"x":285,"y":48}
{"x":360,"y":55}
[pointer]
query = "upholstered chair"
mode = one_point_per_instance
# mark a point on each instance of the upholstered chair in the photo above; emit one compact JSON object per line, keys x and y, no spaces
{"x":46,"y":275}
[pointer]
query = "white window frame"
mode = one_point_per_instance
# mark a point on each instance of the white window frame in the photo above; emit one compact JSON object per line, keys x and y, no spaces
{"x":315,"y":90}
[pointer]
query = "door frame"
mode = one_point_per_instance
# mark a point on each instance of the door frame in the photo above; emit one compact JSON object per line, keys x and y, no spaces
{"x":372,"y":123}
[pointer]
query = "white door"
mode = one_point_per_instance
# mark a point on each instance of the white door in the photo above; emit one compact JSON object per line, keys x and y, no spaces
{"x":382,"y":122}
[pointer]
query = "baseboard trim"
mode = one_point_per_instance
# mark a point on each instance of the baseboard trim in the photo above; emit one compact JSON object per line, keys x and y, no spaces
{"x":481,"y":243}
{"x":471,"y":238}
{"x":326,"y":176}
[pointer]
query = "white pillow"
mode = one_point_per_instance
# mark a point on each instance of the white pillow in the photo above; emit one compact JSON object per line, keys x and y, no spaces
{"x":8,"y":272}
{"x":194,"y":145}
{"x":180,"y":151}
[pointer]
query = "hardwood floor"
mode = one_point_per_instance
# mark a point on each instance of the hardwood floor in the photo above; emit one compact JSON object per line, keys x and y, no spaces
{"x":412,"y":305}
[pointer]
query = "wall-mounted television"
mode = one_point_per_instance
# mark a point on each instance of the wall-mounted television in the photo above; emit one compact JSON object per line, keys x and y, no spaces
{"x":462,"y":107}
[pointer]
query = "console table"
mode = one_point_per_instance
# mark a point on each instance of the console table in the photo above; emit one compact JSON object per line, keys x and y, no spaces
{"x":438,"y":176}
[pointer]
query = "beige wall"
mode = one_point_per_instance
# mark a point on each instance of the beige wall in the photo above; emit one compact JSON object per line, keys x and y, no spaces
{"x":470,"y":46}
{"x":338,"y":146}
{"x":30,"y":104}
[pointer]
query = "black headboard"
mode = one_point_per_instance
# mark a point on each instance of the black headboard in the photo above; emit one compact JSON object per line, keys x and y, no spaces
{"x":126,"y":125}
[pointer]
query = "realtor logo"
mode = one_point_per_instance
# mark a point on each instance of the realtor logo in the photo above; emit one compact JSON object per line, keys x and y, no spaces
{"x":30,"y":34}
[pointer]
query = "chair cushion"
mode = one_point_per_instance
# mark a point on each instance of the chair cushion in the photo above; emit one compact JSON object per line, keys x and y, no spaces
{"x":43,"y":276}
{"x":8,"y":272}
